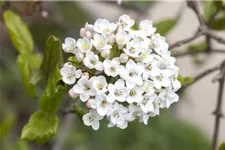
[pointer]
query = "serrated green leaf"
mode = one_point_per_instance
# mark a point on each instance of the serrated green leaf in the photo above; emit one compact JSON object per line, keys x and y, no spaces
{"x":43,"y":123}
{"x":209,"y":9}
{"x":222,"y":146}
{"x":18,"y":32}
{"x":51,"y":98}
{"x":52,"y":56}
{"x":164,"y":26}
{"x":26,"y":63}
{"x":41,"y":127}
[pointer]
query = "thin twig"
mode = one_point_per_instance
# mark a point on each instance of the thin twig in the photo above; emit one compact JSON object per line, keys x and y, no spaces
{"x":218,"y":111}
{"x":187,"y":40}
{"x":215,"y":37}
{"x":194,"y":6}
{"x":213,"y":51}
{"x":201,"y":75}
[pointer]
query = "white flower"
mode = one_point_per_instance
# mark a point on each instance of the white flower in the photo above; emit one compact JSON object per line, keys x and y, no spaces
{"x":146,"y":56}
{"x":166,"y":97}
{"x":146,"y":25}
{"x":83,"y":87}
{"x":103,"y":26}
{"x":99,"y":84}
{"x":133,"y":48}
{"x":158,"y":43}
{"x":111,"y":66}
{"x":135,"y":95}
{"x":134,"y":112}
{"x":147,"y":103}
{"x":131,"y":74}
{"x":100,"y":104}
{"x":125,"y":22}
{"x":150,"y":69}
{"x":84,"y":45}
{"x":145,"y":116}
{"x":117,"y":116}
{"x":70,"y":45}
{"x":69,"y":73}
{"x":105,"y":53}
{"x":175,"y":83}
{"x":117,"y":92}
{"x":100,"y":42}
{"x":162,"y":80}
{"x":122,"y":38}
{"x":92,"y":119}
{"x":148,"y":87}
{"x":123,"y":58}
{"x":92,"y":61}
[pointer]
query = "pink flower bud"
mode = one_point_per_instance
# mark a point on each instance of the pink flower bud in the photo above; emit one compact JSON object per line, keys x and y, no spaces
{"x":111,"y":38}
{"x":44,"y":14}
{"x":88,"y":104}
{"x":73,"y":94}
{"x":88,"y":34}
{"x":82,"y":32}
{"x":80,"y":57}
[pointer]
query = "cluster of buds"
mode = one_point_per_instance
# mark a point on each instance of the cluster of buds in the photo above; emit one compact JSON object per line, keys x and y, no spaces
{"x":120,"y":72}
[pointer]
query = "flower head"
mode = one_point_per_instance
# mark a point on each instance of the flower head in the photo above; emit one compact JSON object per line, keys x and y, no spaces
{"x":127,"y":74}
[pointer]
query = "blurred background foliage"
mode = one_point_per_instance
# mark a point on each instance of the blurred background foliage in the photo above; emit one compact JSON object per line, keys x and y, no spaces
{"x":63,"y":19}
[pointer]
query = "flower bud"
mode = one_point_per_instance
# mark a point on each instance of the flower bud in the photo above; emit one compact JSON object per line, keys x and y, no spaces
{"x":88,"y":34}
{"x":82,"y":32}
{"x":85,"y":75}
{"x":123,"y":58}
{"x":111,"y":38}
{"x":44,"y":14}
{"x":105,"y":53}
{"x":88,"y":104}
{"x":80,"y":57}
{"x":72,"y":94}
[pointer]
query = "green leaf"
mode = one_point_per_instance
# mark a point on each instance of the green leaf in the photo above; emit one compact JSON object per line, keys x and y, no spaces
{"x":21,"y":145}
{"x":41,"y":127}
{"x":43,"y":123}
{"x":218,"y":24}
{"x":197,"y":47}
{"x":187,"y":80}
{"x":52,"y":56}
{"x":181,"y":79}
{"x":51,"y":98}
{"x":26,"y":63}
{"x":2,"y":3}
{"x":18,"y":32}
{"x":222,"y":146}
{"x":7,"y":124}
{"x":164,"y":26}
{"x":209,"y":9}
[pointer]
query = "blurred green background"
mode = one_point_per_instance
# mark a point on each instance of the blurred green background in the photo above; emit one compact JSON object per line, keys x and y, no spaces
{"x":63,"y":19}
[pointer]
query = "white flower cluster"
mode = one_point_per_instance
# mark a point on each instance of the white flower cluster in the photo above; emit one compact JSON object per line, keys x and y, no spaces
{"x":123,"y":74}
